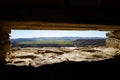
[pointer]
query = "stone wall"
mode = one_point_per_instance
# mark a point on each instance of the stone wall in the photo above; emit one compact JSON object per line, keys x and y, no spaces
{"x":113,"y":39}
{"x":4,"y":43}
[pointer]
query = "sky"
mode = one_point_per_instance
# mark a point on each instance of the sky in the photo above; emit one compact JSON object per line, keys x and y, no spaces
{"x":55,"y":33}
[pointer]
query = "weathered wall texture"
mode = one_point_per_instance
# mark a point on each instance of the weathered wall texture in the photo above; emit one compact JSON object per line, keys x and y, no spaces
{"x":113,"y":39}
{"x":4,"y":43}
{"x":38,"y":25}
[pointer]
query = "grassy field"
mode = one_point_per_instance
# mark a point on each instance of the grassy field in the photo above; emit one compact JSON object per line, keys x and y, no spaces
{"x":60,"y":42}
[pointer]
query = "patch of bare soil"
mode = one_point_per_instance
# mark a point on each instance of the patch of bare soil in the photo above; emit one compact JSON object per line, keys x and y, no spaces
{"x":49,"y":55}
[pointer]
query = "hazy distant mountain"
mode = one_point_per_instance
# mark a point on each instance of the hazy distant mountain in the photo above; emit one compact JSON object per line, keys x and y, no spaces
{"x":92,"y":42}
{"x":51,"y":38}
{"x":58,"y":41}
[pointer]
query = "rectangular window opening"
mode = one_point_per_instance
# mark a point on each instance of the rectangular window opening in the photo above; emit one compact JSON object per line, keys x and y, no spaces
{"x":56,"y":38}
{"x":40,"y":47}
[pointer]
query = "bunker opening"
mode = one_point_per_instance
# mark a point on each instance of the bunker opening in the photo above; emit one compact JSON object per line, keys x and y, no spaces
{"x":50,"y":55}
{"x":54,"y":46}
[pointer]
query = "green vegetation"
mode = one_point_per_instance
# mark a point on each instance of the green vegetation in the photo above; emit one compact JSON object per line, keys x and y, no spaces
{"x":57,"y":42}
{"x":60,"y":42}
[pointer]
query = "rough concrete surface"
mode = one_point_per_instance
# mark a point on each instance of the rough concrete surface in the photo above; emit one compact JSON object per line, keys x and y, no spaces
{"x":49,"y":55}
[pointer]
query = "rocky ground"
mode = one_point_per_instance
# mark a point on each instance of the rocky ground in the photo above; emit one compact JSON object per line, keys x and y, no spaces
{"x":49,"y":55}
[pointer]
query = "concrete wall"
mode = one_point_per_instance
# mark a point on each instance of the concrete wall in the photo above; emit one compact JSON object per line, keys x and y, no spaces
{"x":113,"y":39}
{"x":4,"y":43}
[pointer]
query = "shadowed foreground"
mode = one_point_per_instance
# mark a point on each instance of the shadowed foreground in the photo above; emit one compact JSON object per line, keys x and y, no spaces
{"x":104,"y":69}
{"x":65,"y":70}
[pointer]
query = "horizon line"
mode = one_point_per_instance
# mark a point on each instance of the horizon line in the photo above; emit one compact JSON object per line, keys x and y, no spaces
{"x":59,"y":37}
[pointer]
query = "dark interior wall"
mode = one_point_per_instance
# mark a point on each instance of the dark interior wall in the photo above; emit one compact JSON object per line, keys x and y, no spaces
{"x":59,"y":15}
{"x":96,"y":4}
{"x":20,"y":3}
{"x":51,"y":3}
{"x":73,"y":3}
{"x":65,"y":11}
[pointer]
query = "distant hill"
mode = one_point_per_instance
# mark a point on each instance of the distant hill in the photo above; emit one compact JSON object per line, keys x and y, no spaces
{"x":90,"y":41}
{"x":58,"y":42}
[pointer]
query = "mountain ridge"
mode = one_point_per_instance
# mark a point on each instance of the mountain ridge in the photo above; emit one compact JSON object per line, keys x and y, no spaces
{"x":58,"y":41}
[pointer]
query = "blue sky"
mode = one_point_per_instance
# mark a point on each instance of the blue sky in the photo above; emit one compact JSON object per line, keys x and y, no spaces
{"x":55,"y":33}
